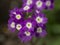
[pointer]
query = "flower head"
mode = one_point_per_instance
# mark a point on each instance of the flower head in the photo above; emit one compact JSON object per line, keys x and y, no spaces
{"x":11,"y":25}
{"x":25,"y":34}
{"x":16,"y":14}
{"x":49,"y":4}
{"x":40,"y":19}
{"x":29,"y":23}
{"x":39,"y":4}
{"x":19,"y":26}
{"x":28,"y":5}
{"x":26,"y":8}
{"x":29,"y":2}
{"x":40,"y":32}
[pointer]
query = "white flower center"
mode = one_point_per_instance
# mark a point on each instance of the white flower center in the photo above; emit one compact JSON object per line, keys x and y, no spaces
{"x":29,"y":2}
{"x":27,"y":33}
{"x":39,"y":4}
{"x":26,"y":8}
{"x":29,"y":16}
{"x":38,"y":19}
{"x":18,"y":16}
{"x":39,"y":30}
{"x":12,"y":25}
{"x":18,"y":26}
{"x":48,"y":3}
{"x":28,"y":25}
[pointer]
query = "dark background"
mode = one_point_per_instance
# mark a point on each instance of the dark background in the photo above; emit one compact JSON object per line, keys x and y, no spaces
{"x":53,"y":25}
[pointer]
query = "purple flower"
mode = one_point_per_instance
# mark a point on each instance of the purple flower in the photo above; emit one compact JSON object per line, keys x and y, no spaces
{"x":11,"y":25}
{"x":28,"y":5}
{"x":39,"y":4}
{"x":49,"y":4}
{"x":40,"y":31}
{"x":28,"y":20}
{"x":25,"y":35}
{"x":19,"y":26}
{"x":30,"y":24}
{"x":26,"y":8}
{"x":28,"y":2}
{"x":16,"y":14}
{"x":40,"y":19}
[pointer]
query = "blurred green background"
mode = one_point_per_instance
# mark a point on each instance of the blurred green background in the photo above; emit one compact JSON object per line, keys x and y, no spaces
{"x":53,"y":25}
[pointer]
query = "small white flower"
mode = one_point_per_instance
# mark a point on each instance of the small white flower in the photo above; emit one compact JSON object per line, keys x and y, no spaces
{"x":27,"y":33}
{"x":29,"y":25}
{"x":18,"y":16}
{"x":29,"y":2}
{"x":38,"y":19}
{"x":48,"y":3}
{"x":12,"y":25}
{"x":18,"y":26}
{"x":39,"y":30}
{"x":39,"y":4}
{"x":26,"y":8}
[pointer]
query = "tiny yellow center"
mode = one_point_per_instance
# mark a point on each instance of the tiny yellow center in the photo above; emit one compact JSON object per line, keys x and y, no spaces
{"x":28,"y":24}
{"x":39,"y":3}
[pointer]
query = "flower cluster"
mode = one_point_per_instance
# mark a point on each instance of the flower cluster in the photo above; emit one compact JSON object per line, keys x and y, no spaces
{"x":29,"y":20}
